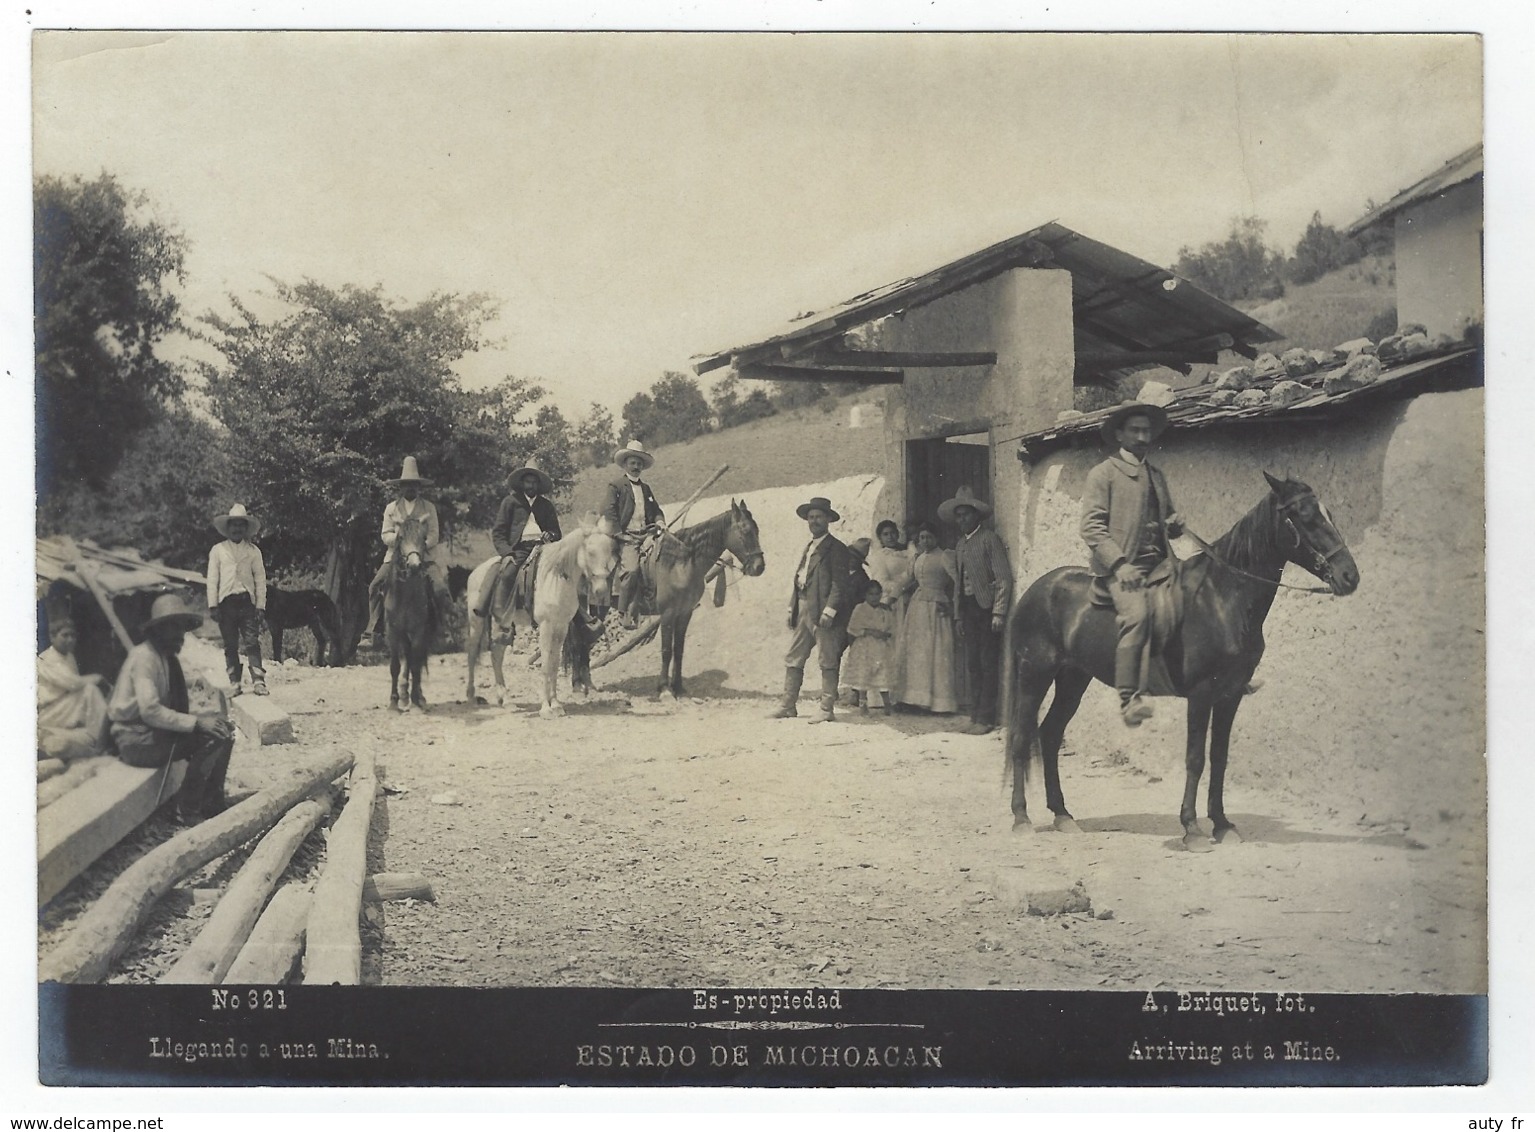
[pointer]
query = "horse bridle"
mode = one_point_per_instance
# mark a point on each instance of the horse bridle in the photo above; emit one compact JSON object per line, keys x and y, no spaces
{"x":1323,"y":562}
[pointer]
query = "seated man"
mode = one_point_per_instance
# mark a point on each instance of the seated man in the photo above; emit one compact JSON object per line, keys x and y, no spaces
{"x":151,"y":724}
{"x":525,"y":519}
{"x":409,"y":505}
{"x":71,"y":709}
{"x":631,"y":509}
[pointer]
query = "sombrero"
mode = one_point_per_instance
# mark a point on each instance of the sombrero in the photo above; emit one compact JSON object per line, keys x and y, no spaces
{"x":859,"y":548}
{"x":964,"y":497}
{"x":409,"y":473}
{"x":820,"y":502}
{"x":237,"y":512}
{"x":171,"y":608}
{"x":545,"y":484}
{"x":1154,"y":413}
{"x":633,"y":448}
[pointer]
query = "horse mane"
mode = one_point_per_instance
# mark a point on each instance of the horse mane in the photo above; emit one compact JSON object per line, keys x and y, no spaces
{"x":560,"y":557}
{"x":706,"y":540}
{"x":1252,"y":542}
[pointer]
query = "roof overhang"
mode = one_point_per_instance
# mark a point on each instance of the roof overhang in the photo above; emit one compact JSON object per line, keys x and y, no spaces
{"x":1458,"y":170}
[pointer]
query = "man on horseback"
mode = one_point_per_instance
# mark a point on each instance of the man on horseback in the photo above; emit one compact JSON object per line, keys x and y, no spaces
{"x":514,"y":540}
{"x":632,"y":509}
{"x":1127,"y":518}
{"x":408,"y":506}
{"x":819,"y":610}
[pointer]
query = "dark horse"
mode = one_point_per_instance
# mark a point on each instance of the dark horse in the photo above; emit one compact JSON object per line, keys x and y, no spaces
{"x":1058,"y":636}
{"x":408,"y":615}
{"x":679,"y":567}
{"x":298,"y":609}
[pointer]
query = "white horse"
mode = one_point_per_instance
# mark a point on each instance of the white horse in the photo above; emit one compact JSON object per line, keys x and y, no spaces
{"x":578,"y":565}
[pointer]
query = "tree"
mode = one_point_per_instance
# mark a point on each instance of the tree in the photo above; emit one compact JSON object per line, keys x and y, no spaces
{"x":673,"y":411}
{"x":594,"y":436}
{"x":1321,"y":248}
{"x":1238,"y":267}
{"x":103,"y":305}
{"x":732,"y":409}
{"x":322,"y":404}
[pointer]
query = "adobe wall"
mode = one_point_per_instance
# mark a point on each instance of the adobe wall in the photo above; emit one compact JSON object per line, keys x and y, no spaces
{"x":1439,"y":261}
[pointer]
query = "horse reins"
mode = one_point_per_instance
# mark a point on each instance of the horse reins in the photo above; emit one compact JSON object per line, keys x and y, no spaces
{"x":1322,"y":560}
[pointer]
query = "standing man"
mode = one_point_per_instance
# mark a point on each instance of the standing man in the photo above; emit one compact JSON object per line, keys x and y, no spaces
{"x":983,"y":593}
{"x":632,"y":509}
{"x":151,"y":724}
{"x":1127,"y":518}
{"x":237,"y":594}
{"x":819,"y":609}
{"x":409,"y":505}
{"x":514,"y":539}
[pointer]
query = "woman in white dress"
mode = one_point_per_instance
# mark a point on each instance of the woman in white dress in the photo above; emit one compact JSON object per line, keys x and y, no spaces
{"x":889,"y":564}
{"x":71,"y":709}
{"x":927,"y":636}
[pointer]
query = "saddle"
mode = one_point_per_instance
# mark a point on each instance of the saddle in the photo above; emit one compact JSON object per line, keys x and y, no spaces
{"x":510,"y":596}
{"x":655,"y":548}
{"x":1164,"y":601}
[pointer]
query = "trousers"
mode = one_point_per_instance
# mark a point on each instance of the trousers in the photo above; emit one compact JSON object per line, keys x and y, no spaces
{"x":983,"y":660}
{"x":207,"y":760}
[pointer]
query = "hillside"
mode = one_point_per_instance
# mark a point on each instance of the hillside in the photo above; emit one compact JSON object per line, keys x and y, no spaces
{"x":1335,"y":308}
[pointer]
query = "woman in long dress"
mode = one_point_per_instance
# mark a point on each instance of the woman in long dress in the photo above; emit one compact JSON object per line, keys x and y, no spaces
{"x":71,"y":709}
{"x":889,"y":564}
{"x":927,"y":638}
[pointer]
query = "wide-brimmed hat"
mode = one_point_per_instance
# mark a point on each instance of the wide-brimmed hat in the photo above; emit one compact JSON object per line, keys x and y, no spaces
{"x":633,"y":448}
{"x":409,"y":473}
{"x":964,"y":497}
{"x":238,"y":511}
{"x":172,"y":608}
{"x":820,"y":502}
{"x":545,"y":484}
{"x":859,"y":549}
{"x":1153,"y":413}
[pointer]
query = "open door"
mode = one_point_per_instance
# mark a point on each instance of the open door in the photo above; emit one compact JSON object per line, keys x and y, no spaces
{"x":936,"y":469}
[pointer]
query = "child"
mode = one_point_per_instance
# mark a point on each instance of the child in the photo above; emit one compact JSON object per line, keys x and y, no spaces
{"x":868,"y":666}
{"x":237,"y":594}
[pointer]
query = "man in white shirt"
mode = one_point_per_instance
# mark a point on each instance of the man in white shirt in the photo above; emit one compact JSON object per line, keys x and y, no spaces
{"x":237,"y":594}
{"x":408,"y":506}
{"x":633,"y":512}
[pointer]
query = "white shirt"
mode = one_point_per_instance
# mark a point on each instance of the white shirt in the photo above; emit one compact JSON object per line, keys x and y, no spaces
{"x":236,"y":568}
{"x":1129,"y":457}
{"x":804,"y":562}
{"x":637,"y":520}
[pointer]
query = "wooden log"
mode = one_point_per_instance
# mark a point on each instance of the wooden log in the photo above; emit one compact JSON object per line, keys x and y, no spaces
{"x":272,"y":952}
{"x":49,"y":768}
{"x":86,"y":954}
{"x":215,"y":948}
{"x":333,"y":947}
{"x":761,"y":371}
{"x":74,"y":774}
{"x":844,"y":358}
{"x":82,"y":825}
{"x":640,"y":636}
{"x":88,"y":571}
{"x":397,"y":886}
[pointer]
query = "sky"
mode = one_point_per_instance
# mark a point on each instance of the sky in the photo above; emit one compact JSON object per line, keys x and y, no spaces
{"x":633,"y":200}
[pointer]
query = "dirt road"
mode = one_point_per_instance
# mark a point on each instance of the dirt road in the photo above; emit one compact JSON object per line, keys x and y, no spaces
{"x":635,"y":844}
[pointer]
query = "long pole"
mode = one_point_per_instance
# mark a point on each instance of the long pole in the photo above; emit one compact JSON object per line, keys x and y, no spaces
{"x":692,"y":499}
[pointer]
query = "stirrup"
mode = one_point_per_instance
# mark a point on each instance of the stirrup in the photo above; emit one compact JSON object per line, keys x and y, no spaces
{"x":1136,"y":711}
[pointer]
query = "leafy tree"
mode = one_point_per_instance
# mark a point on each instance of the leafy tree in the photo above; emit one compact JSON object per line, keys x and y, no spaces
{"x":673,"y":411}
{"x":323,"y":402}
{"x":102,"y":278}
{"x":1239,"y":267}
{"x":732,"y":409}
{"x":1321,"y":248}
{"x":594,"y":436}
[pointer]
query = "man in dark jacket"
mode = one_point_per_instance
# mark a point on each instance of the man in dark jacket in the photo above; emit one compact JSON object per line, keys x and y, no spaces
{"x":1127,"y":519}
{"x":631,"y":507}
{"x":982,"y":596}
{"x":818,"y":611}
{"x":511,"y":536}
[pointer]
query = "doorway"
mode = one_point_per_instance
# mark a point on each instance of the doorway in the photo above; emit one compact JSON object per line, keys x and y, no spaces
{"x":936,"y":469}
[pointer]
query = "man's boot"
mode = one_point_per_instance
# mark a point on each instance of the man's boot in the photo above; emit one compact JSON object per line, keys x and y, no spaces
{"x":825,"y":710}
{"x":258,"y":675}
{"x":1133,"y":709}
{"x":234,"y":671}
{"x":792,"y":679}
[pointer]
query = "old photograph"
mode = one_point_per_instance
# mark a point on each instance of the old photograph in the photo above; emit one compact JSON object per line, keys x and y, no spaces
{"x":764,"y":520}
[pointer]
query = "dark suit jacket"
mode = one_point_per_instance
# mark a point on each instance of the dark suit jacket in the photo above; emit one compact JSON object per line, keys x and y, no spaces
{"x":827,"y":583}
{"x":512,"y":518}
{"x":1116,"y":512}
{"x":618,"y":508}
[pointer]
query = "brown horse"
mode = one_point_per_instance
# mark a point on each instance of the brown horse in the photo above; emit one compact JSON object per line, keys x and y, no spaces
{"x":679,"y":566}
{"x":408,"y":615}
{"x":1057,"y":635}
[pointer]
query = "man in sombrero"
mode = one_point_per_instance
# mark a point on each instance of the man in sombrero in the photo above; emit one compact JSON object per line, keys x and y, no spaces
{"x":525,"y":518}
{"x":237,"y":594}
{"x":409,"y":505}
{"x":819,"y":609}
{"x":631,"y":507}
{"x":1127,"y":519}
{"x":152,"y":725}
{"x":983,"y":592}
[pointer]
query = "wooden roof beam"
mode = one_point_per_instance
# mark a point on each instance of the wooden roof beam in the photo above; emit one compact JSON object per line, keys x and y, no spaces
{"x":755,"y":371}
{"x":842,"y":357}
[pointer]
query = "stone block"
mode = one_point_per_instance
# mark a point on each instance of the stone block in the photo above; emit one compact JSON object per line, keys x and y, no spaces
{"x":1288,"y":392}
{"x":261,"y":720}
{"x":1235,"y":379}
{"x":1298,"y":362}
{"x":1029,"y":890}
{"x":1361,"y":370}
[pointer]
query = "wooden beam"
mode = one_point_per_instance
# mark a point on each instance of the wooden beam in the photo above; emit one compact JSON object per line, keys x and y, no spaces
{"x":333,"y":949}
{"x":99,"y":936}
{"x":397,"y":886}
{"x":875,"y":359}
{"x":758,"y":372}
{"x":75,"y":774}
{"x":1119,"y":360}
{"x":90,"y":819}
{"x":276,"y":942}
{"x":87,"y":570}
{"x":225,"y":933}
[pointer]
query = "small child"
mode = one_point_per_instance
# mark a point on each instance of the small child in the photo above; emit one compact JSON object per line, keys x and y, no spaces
{"x":868,"y":666}
{"x":237,"y":594}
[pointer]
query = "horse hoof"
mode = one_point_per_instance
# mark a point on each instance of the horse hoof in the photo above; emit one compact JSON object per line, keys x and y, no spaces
{"x":1228,"y":835}
{"x":1065,"y":823}
{"x":1195,"y":841}
{"x":421,"y":704}
{"x":1023,"y":825}
{"x":666,"y":696}
{"x":551,"y":711}
{"x":479,"y":701}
